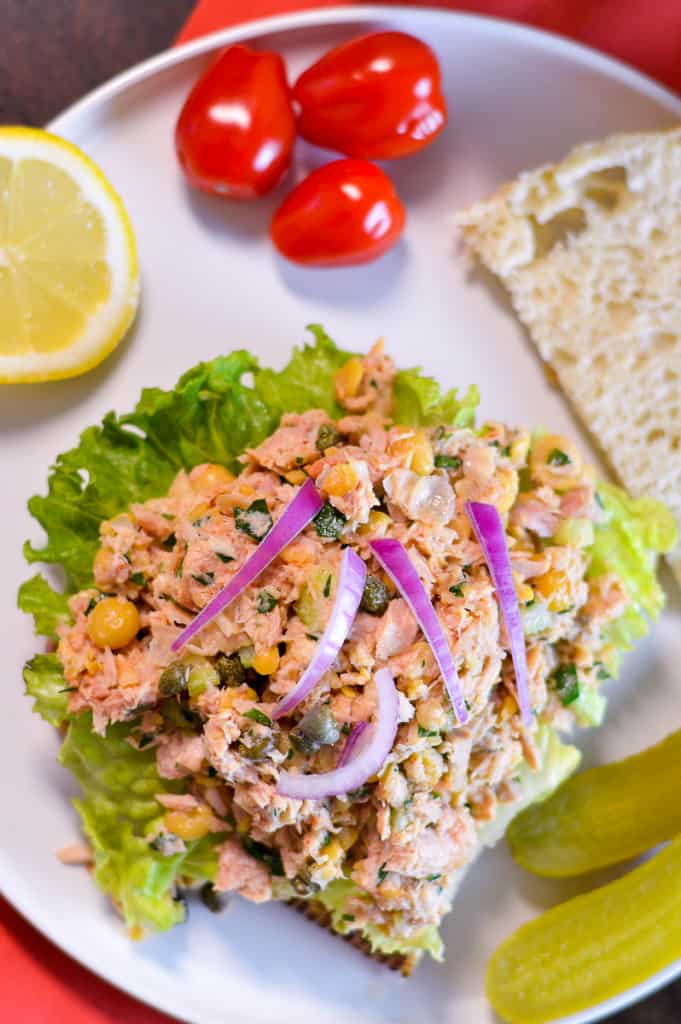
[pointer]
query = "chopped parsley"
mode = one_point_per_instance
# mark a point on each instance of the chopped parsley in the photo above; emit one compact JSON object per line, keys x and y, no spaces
{"x":602,"y":672}
{"x":567,"y":683}
{"x":506,"y":450}
{"x":223,"y":558}
{"x":456,"y":590}
{"x":138,"y":578}
{"x":258,"y":716}
{"x":329,"y":522}
{"x":255,"y":521}
{"x":266,"y":602}
{"x":599,"y":500}
{"x":92,"y":603}
{"x":428,"y":732}
{"x":145,"y":739}
{"x":169,"y":543}
{"x":346,"y":728}
{"x":326,"y":840}
{"x":382,"y":874}
{"x":558,"y":458}
{"x":448,"y":462}
{"x":270,"y":858}
{"x":348,"y":917}
{"x":67,"y":689}
{"x":432,"y":878}
{"x":204,"y":578}
{"x":327,"y":586}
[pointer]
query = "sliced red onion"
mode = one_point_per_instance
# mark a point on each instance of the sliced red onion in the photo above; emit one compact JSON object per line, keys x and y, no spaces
{"x":489,"y":530}
{"x":368,"y":759}
{"x":397,"y":563}
{"x":352,"y":741}
{"x":293,"y":520}
{"x":348,"y":595}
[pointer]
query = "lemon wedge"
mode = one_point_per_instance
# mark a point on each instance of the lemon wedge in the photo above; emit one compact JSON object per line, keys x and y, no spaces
{"x":69,"y":276}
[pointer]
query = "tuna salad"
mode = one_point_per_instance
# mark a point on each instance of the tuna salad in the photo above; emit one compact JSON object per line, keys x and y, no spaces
{"x":204,"y":726}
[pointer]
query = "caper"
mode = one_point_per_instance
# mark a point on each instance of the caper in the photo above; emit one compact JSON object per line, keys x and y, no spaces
{"x":257,"y":749}
{"x":304,"y":886}
{"x":230,"y":670}
{"x":375,"y":597}
{"x":211,"y":898}
{"x":327,"y":437}
{"x":173,"y":679}
{"x":316,"y":728}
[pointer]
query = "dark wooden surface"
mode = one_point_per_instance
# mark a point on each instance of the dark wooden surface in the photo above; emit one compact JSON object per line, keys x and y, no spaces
{"x":53,"y":51}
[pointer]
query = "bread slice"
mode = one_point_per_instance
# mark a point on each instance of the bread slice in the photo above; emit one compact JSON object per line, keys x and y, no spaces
{"x":313,"y":911}
{"x":590,"y":252}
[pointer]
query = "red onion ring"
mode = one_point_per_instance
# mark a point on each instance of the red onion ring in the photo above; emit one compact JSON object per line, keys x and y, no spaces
{"x":292,"y":521}
{"x":368,"y":760}
{"x":397,"y":563}
{"x":348,"y":595}
{"x":352,"y":741}
{"x":489,"y":530}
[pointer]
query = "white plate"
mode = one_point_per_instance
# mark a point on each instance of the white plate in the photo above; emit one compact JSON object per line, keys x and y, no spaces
{"x":211,"y":283}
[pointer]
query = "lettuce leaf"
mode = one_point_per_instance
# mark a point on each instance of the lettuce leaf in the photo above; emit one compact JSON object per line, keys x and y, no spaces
{"x":118,"y":810}
{"x":44,"y":680}
{"x":48,"y":608}
{"x":634,"y":532}
{"x":419,"y":401}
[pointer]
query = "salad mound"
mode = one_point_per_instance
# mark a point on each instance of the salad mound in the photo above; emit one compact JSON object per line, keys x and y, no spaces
{"x":179,"y":752}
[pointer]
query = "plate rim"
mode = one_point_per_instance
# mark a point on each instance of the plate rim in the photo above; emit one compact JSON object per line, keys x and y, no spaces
{"x":67,"y":121}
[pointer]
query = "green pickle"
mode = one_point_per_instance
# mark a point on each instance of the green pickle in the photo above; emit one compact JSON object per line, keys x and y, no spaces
{"x":591,"y":948}
{"x":603,"y":816}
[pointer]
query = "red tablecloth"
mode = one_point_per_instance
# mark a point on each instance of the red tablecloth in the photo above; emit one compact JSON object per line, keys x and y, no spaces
{"x":40,"y":985}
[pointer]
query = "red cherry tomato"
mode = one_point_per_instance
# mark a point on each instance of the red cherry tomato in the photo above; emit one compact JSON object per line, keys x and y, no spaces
{"x":344,"y":212}
{"x":235,"y":134}
{"x":376,"y":97}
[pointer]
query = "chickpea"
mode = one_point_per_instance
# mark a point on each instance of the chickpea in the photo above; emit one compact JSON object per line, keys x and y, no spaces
{"x":113,"y":623}
{"x":555,"y":461}
{"x":209,"y":477}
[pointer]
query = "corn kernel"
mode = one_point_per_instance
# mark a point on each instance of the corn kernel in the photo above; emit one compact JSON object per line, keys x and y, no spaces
{"x":377,"y":525}
{"x":403,"y":441}
{"x":266,"y":662}
{"x":349,"y":691}
{"x":421,"y":461}
{"x":347,"y":837}
{"x":209,"y":476}
{"x":297,"y":553}
{"x":508,"y":708}
{"x":136,"y":933}
{"x":340,"y":479}
{"x":333,"y":850}
{"x":559,"y":474}
{"x":189,"y":825}
{"x":524,"y":592}
{"x":198,"y":511}
{"x":243,"y":823}
{"x":506,"y":489}
{"x":102,"y":564}
{"x":554,"y":587}
{"x":296,"y":476}
{"x":347,"y":380}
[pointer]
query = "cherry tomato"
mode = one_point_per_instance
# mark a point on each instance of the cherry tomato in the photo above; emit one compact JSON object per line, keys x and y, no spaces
{"x":236,"y":130}
{"x":345,"y":212}
{"x":376,"y":97}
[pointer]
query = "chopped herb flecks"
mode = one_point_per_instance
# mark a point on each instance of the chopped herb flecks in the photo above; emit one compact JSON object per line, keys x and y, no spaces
{"x":558,"y":458}
{"x":566,"y":681}
{"x":448,"y":462}
{"x":258,"y":716}
{"x":204,"y":578}
{"x":255,"y":521}
{"x":329,"y":522}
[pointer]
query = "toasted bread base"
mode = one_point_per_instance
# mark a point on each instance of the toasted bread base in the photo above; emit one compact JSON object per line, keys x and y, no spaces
{"x":315,"y":912}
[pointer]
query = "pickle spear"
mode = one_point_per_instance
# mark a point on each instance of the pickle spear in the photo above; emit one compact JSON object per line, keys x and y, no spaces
{"x":604,"y":815}
{"x":591,"y":948}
